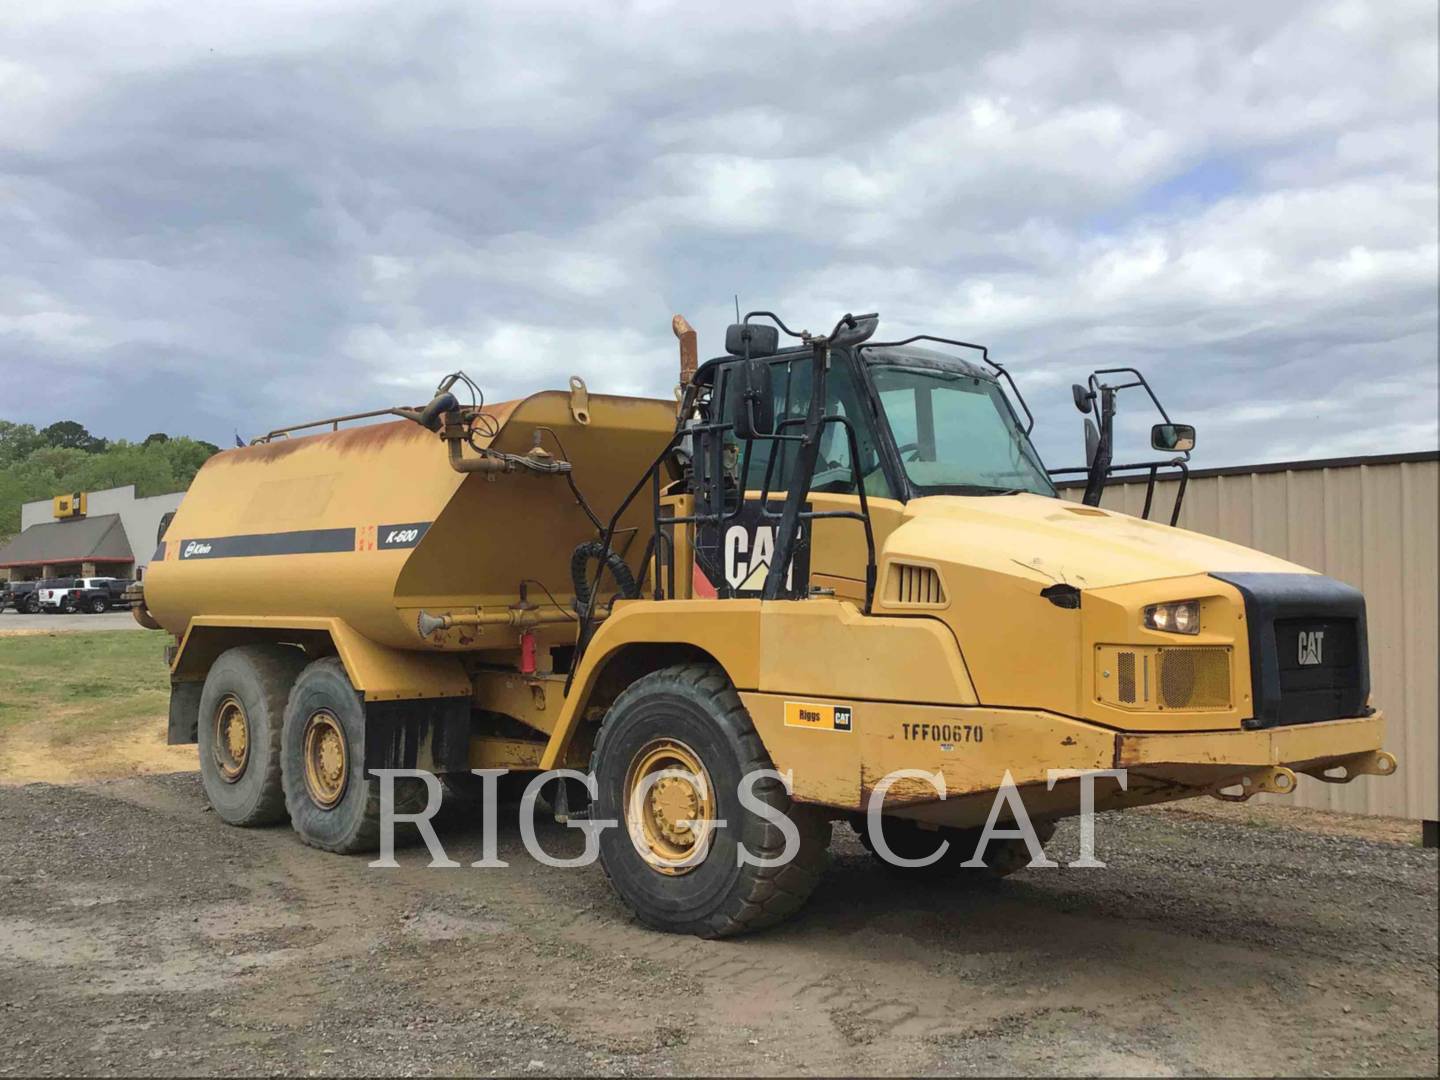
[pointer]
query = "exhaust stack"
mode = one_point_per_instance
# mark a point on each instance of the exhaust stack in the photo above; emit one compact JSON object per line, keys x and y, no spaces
{"x":689,"y":349}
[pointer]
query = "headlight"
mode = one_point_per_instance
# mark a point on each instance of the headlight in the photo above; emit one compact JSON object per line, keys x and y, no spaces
{"x":1181,"y":617}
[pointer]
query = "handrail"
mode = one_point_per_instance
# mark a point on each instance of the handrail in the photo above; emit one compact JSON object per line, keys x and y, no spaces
{"x":335,"y":422}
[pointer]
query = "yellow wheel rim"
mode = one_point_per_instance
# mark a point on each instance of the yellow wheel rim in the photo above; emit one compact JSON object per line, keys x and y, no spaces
{"x":231,"y":749}
{"x":327,"y":764}
{"x":669,"y":806}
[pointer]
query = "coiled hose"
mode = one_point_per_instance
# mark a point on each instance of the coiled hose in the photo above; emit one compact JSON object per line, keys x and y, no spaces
{"x":580,"y":561}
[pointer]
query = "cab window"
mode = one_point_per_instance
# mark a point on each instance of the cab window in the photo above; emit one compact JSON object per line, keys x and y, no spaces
{"x":791,"y":378}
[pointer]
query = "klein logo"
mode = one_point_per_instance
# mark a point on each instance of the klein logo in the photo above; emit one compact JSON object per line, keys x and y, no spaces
{"x":1312,"y":643}
{"x":195,"y":547}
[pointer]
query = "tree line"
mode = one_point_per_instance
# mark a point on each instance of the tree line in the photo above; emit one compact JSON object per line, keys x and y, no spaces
{"x":38,"y":463}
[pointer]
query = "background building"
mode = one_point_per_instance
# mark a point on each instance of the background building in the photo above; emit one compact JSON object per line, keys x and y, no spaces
{"x":115,"y":537}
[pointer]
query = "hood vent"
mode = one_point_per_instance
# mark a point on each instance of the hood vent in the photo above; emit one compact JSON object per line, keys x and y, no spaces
{"x":913,"y":586}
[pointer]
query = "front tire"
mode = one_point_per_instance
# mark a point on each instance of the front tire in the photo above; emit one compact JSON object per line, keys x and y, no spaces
{"x":333,"y":805}
{"x":98,"y":606}
{"x":238,"y":731}
{"x":689,"y":717}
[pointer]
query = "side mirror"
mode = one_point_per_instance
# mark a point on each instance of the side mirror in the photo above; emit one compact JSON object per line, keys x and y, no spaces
{"x":751,"y":402}
{"x":763,"y":340}
{"x":1083,"y":397}
{"x":1177,"y":437}
{"x":1092,"y":441}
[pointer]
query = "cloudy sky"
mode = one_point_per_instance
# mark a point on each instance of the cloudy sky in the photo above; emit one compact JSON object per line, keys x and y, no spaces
{"x":218,"y":217}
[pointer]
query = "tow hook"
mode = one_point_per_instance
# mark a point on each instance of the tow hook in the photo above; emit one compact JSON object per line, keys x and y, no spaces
{"x":1277,"y":780}
{"x":1371,"y":763}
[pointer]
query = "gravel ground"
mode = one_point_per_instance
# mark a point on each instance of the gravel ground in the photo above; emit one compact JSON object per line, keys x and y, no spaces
{"x":140,"y":935}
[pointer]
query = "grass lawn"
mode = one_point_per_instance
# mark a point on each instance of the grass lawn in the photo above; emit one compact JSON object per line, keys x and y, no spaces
{"x":76,"y":695}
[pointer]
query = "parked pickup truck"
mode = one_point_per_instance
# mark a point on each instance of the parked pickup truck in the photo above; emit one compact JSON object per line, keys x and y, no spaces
{"x":23,"y":596}
{"x":94,"y":595}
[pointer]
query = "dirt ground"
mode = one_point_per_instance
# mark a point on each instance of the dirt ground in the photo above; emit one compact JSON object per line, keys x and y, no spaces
{"x":138,"y":934}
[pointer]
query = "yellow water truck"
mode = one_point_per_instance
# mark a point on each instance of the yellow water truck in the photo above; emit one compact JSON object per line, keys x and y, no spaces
{"x":837,"y":568}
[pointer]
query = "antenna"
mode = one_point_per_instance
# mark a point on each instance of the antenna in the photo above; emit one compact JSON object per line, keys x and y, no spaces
{"x":737,"y":307}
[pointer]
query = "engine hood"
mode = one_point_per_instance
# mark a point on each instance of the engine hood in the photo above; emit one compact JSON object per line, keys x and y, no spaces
{"x":1052,"y":540}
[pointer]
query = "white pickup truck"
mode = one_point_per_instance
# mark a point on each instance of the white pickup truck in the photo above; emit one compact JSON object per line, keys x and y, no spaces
{"x":94,"y":595}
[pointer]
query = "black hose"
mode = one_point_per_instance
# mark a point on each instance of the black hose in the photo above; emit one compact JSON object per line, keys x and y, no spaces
{"x":580,"y":573}
{"x":443,"y":403}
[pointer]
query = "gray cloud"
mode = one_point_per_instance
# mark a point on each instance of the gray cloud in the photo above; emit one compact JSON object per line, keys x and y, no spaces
{"x":233,"y":219}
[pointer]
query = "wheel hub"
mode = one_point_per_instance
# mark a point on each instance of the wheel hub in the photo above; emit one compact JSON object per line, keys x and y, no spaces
{"x":232,"y":739}
{"x":669,"y":806}
{"x":327,"y":766}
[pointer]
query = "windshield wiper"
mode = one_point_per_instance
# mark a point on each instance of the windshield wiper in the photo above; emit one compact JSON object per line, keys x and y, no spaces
{"x":981,"y":489}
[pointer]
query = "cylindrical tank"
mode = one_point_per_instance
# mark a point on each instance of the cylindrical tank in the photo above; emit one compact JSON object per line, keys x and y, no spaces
{"x":371,"y":524}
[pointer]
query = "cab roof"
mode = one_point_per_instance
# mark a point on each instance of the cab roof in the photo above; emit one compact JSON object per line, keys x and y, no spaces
{"x":911,"y":356}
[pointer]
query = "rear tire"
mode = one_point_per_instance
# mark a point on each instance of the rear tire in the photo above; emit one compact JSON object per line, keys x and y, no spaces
{"x":693,"y":711}
{"x":333,"y":805}
{"x":1003,"y":856}
{"x":238,"y":731}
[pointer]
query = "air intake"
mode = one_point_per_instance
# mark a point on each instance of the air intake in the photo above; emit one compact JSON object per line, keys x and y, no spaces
{"x":914,"y":586}
{"x":1194,"y":678}
{"x":1125,"y":670}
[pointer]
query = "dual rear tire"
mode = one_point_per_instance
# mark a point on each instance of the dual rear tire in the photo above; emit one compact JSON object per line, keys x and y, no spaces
{"x":282,"y":738}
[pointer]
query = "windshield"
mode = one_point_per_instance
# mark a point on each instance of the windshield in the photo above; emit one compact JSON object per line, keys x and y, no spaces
{"x":956,"y":433}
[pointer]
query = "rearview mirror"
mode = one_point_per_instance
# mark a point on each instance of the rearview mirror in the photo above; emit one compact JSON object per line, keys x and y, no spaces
{"x":763,"y":340}
{"x":752,"y":399}
{"x":1082,"y":397}
{"x":1177,"y":437}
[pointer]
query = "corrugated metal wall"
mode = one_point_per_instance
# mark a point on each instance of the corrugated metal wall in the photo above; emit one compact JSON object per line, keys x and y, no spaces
{"x":1371,"y":523}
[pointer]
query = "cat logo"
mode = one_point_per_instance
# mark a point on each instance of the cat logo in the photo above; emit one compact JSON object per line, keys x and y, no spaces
{"x":748,"y":555}
{"x":1311,"y":644}
{"x":733,"y":556}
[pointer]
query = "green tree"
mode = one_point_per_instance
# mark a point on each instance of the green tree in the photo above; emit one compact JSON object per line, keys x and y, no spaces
{"x":71,"y":433}
{"x":32,"y":467}
{"x":18,"y":441}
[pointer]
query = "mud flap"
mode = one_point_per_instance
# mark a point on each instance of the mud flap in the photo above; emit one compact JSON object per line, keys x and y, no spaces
{"x":432,"y":733}
{"x":184,"y":712}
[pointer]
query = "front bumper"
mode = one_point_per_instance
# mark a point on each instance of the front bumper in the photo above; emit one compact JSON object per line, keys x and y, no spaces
{"x":974,"y":750}
{"x":1334,"y":751}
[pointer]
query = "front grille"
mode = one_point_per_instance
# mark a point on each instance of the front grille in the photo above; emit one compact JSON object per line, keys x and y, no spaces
{"x":1309,"y":659}
{"x":1194,"y":677}
{"x":1319,"y":674}
{"x":914,"y":585}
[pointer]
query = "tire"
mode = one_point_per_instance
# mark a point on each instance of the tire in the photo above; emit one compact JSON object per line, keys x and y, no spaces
{"x":351,"y":823}
{"x":32,"y":606}
{"x":258,"y":679}
{"x":1003,"y":856}
{"x":98,"y":606}
{"x":695,"y":706}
